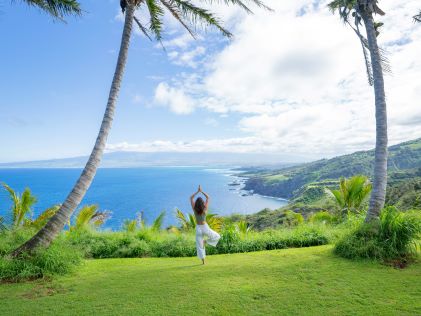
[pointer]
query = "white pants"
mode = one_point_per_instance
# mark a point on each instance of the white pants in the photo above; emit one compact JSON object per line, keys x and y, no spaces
{"x":203,"y":231}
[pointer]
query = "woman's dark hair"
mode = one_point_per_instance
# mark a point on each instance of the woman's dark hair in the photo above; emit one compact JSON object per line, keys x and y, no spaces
{"x":199,"y":206}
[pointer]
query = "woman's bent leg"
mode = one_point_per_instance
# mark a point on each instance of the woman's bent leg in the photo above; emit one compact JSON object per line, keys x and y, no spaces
{"x":213,"y":236}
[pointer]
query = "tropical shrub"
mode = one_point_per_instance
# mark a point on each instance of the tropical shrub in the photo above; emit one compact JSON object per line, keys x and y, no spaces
{"x":60,"y":258}
{"x":90,"y":217}
{"x":352,"y":193}
{"x":292,"y":218}
{"x":323,"y":217}
{"x":21,"y":204}
{"x":395,"y":236}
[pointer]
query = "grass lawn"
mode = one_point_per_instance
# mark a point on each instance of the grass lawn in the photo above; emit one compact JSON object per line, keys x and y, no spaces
{"x":306,"y":281}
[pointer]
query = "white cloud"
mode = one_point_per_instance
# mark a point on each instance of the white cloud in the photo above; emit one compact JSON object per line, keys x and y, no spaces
{"x":298,"y":79}
{"x":175,"y":99}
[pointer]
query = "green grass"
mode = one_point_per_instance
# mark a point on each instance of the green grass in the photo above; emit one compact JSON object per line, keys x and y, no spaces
{"x":275,"y":178}
{"x":307,"y":281}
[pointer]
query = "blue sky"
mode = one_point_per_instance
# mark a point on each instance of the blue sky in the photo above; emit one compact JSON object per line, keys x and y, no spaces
{"x":270,"y":89}
{"x":55,"y":80}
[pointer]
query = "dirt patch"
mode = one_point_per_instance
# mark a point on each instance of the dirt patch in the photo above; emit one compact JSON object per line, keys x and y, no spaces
{"x":42,"y":290}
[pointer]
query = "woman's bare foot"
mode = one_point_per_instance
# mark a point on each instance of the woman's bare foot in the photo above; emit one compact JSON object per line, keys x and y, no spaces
{"x":203,"y":261}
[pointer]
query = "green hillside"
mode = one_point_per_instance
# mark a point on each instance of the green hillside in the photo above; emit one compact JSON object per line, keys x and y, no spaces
{"x":305,"y":183}
{"x":307,"y":281}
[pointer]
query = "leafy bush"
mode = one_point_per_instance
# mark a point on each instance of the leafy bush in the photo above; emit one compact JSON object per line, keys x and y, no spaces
{"x":60,"y":258}
{"x":395,"y":236}
{"x":293,"y":219}
{"x":323,"y":217}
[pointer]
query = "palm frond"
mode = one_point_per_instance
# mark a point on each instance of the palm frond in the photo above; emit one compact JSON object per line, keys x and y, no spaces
{"x":99,"y":218}
{"x":184,"y":223}
{"x":15,"y":202}
{"x":197,"y":15}
{"x":57,"y":8}
{"x":42,"y":219}
{"x":241,"y":4}
{"x":174,"y":10}
{"x":84,"y":216}
{"x":27,"y":201}
{"x":157,"y":223}
{"x":156,"y":13}
{"x":350,"y":10}
{"x":130,"y":226}
{"x":21,"y":204}
{"x":417,"y":18}
{"x":192,"y":221}
{"x":142,"y":28}
{"x":214,"y":221}
{"x":243,"y":227}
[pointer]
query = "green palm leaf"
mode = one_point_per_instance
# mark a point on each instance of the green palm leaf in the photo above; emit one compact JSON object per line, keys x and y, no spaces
{"x":42,"y":219}
{"x":130,"y":226}
{"x":156,"y":13}
{"x":57,"y":8}
{"x":21,"y":205}
{"x":84,"y":216}
{"x":157,"y":223}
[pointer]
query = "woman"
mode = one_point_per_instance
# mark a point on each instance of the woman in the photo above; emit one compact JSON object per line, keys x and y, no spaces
{"x":200,"y":208}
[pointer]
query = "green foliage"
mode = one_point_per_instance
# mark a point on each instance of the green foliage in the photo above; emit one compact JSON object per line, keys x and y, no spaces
{"x":395,"y":236}
{"x":57,"y":8}
{"x":42,"y":219}
{"x":21,"y":204}
{"x":157,"y":223}
{"x":404,"y":194}
{"x":185,"y":12}
{"x":243,"y":227}
{"x":2,"y":224}
{"x":188,"y":223}
{"x":130,"y":226}
{"x":352,"y":193}
{"x":404,"y":161}
{"x":90,"y":217}
{"x":60,"y":258}
{"x":323,"y":217}
{"x":292,"y":218}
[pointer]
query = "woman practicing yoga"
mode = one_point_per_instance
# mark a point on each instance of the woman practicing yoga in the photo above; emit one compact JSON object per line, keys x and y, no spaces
{"x":200,"y":209}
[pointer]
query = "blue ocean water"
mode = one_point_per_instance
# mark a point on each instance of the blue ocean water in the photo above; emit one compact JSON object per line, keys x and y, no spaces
{"x":128,"y":191}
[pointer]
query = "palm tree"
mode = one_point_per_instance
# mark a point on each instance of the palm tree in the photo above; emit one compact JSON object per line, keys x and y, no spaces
{"x":57,"y":8}
{"x":417,"y":18}
{"x":21,"y":204}
{"x":185,"y":12}
{"x":352,"y":193}
{"x":355,"y":13}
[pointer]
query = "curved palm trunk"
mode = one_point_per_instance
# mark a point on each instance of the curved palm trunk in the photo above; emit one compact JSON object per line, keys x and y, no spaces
{"x":380,"y":158}
{"x":54,"y":226}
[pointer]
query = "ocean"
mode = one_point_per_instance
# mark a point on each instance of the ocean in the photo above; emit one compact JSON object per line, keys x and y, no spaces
{"x":127,"y":191}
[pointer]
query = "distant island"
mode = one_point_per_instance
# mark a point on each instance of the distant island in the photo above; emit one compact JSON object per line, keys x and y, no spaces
{"x":127,"y":159}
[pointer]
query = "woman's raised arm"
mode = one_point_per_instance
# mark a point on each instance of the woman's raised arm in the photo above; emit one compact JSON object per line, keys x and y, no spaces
{"x":192,"y":197}
{"x":207,"y":199}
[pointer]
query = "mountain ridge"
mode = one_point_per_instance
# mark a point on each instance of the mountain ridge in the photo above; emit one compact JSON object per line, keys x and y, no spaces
{"x":404,"y":163}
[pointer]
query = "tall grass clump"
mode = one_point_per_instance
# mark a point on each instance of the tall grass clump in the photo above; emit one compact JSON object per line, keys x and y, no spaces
{"x":394,"y":238}
{"x":60,"y":258}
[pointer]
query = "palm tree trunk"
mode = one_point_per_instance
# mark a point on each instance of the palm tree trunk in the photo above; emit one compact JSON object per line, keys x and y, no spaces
{"x":54,"y":226}
{"x":380,"y":158}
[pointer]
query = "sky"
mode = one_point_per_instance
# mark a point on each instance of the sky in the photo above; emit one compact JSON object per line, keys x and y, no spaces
{"x":290,"y":82}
